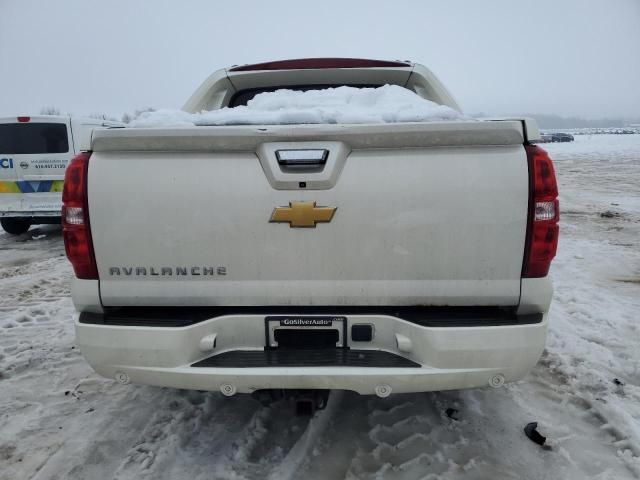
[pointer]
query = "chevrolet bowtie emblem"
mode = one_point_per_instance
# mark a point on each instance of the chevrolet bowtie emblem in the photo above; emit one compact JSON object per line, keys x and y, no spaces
{"x":302,"y":214}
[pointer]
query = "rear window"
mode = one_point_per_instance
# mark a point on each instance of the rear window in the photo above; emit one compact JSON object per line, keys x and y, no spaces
{"x":30,"y":138}
{"x":243,"y":96}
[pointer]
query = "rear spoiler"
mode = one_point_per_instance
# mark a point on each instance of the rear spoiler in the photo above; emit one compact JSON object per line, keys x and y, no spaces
{"x":248,"y":138}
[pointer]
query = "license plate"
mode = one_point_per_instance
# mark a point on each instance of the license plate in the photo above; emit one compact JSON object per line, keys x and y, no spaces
{"x":275,"y":322}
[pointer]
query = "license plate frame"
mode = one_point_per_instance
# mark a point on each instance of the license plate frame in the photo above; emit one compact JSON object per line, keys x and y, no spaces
{"x":305,"y":322}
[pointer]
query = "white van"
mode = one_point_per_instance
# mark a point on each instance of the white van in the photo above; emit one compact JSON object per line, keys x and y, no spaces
{"x":34,"y":152}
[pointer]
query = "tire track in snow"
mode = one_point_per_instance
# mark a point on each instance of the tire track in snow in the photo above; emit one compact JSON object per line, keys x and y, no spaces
{"x":98,"y":431}
{"x":219,"y":437}
{"x":34,"y":284}
{"x":189,"y":431}
{"x":410,"y":436}
{"x":307,"y":444}
{"x":404,"y":436}
{"x":33,"y":269}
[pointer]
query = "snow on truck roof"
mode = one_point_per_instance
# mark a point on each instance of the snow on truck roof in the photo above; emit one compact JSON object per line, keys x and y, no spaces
{"x":339,"y":105}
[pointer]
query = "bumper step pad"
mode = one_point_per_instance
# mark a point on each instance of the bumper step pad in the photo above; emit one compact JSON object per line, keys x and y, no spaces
{"x":330,"y":357}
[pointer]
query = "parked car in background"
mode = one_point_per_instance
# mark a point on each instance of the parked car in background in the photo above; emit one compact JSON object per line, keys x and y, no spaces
{"x":562,"y":137}
{"x":553,"y":137}
{"x":34,"y":153}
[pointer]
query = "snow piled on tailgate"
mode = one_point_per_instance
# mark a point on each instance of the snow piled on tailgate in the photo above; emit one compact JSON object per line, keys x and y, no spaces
{"x":341,"y":105}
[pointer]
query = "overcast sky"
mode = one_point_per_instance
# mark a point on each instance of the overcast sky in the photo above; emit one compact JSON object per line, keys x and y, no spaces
{"x":568,"y":57}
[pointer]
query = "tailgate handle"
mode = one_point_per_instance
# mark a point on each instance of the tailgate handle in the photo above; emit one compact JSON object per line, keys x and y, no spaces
{"x":309,"y":157}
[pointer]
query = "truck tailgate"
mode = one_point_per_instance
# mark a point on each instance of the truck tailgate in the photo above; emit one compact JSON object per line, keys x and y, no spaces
{"x":425,"y":214}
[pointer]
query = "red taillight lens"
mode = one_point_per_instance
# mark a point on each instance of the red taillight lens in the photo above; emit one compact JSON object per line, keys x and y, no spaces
{"x":75,"y":219}
{"x":544,"y":212}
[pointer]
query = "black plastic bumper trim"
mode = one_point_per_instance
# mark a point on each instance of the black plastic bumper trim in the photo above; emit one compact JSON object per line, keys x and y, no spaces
{"x":424,"y":316}
{"x":328,"y":357}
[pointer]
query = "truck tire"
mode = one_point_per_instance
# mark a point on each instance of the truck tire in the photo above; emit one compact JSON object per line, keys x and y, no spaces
{"x":15,"y":226}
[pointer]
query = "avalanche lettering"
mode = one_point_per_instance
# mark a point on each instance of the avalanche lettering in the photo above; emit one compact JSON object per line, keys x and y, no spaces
{"x":167,"y":271}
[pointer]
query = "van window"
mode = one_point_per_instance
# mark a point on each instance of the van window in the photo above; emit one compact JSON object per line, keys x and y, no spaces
{"x":30,"y":138}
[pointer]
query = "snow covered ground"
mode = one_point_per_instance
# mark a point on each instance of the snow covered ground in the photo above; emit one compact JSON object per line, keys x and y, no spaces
{"x":59,"y":420}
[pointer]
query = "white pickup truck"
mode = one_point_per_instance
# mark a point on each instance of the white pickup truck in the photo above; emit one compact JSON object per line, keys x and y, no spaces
{"x":377,"y":258}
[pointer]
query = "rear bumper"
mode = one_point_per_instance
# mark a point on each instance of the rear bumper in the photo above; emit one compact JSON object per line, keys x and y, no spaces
{"x":446,"y":357}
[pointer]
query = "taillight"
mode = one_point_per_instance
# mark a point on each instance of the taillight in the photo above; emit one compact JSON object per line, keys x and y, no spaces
{"x":544,"y":212}
{"x":75,"y":219}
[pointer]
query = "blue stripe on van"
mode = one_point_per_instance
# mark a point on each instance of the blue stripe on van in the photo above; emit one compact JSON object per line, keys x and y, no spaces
{"x":34,"y":187}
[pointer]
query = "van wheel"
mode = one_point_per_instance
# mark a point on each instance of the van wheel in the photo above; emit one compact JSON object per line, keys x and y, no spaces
{"x":15,"y":226}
